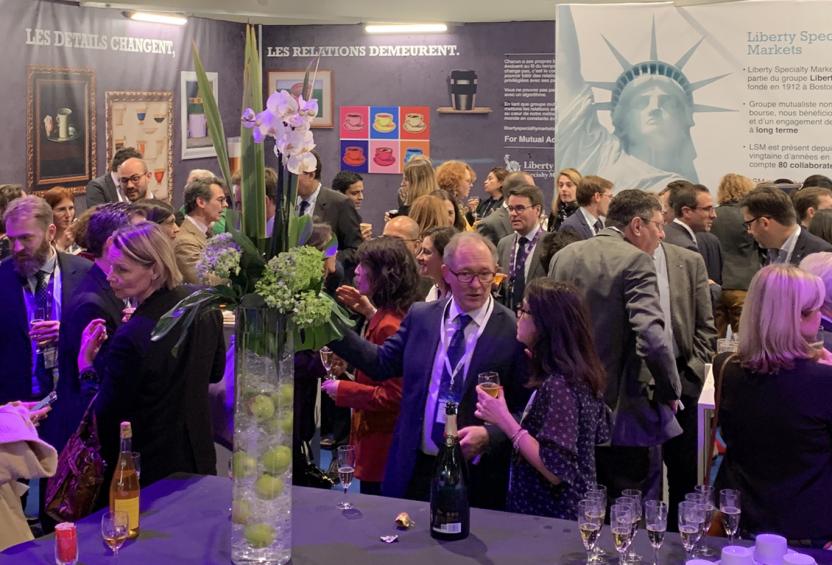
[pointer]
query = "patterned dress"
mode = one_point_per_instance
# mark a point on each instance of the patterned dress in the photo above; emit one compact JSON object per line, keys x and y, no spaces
{"x":568,"y":421}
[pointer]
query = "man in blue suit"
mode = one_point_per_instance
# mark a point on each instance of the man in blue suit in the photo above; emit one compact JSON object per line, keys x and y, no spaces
{"x":440,"y":349}
{"x":593,"y":196}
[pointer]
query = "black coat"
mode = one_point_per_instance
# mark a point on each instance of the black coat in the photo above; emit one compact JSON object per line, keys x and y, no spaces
{"x":164,"y":397}
{"x":101,"y":190}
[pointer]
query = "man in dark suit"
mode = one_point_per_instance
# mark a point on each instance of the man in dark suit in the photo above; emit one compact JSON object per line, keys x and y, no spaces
{"x":518,"y":254}
{"x":770,"y":218}
{"x":106,"y":187}
{"x":331,"y":207}
{"x":35,"y":283}
{"x":439,"y":350}
{"x":497,"y":225}
{"x":618,"y":279}
{"x":593,"y":196}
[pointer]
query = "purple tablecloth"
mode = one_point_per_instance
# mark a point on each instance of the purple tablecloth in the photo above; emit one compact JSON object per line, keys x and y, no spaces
{"x":185,"y":519}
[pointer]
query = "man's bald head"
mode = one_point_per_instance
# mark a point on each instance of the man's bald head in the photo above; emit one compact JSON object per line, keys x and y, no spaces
{"x":406,"y":229}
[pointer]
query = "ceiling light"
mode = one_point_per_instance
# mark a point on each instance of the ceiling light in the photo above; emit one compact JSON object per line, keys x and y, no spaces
{"x":405,"y":28}
{"x":172,"y":19}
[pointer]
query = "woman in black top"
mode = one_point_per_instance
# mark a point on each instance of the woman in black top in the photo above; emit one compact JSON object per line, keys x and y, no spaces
{"x":775,"y":409}
{"x":566,"y":200}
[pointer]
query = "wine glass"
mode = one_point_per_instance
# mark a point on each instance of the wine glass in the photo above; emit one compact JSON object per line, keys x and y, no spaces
{"x":701,"y":497}
{"x":655,"y":520}
{"x":691,"y":517}
{"x":114,"y":529}
{"x":621,"y":524}
{"x":40,"y":315}
{"x":598,"y":492}
{"x":346,"y":470}
{"x":590,"y":520}
{"x":326,"y":361}
{"x":634,"y":496}
{"x":489,"y":382}
{"x":729,"y":505}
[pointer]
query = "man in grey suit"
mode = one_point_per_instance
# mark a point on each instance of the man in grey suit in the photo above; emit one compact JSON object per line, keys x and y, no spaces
{"x":519,"y":253}
{"x":770,"y":218}
{"x":333,"y":208}
{"x":618,"y":279}
{"x":593,"y":196}
{"x":106,"y":187}
{"x":497,"y":225}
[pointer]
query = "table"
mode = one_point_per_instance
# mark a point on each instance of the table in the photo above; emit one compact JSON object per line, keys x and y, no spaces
{"x":185,"y":519}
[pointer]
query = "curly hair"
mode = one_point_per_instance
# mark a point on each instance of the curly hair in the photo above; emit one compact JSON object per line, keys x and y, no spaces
{"x":394,"y":277}
{"x":733,"y":187}
{"x":451,"y":174}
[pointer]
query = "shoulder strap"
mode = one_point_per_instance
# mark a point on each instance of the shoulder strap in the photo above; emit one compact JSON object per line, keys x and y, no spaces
{"x":718,"y":379}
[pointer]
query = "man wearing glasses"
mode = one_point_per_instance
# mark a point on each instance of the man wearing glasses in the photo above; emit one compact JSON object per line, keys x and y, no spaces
{"x":107,"y":188}
{"x":769,"y":216}
{"x":519,"y":252}
{"x":440,"y":349}
{"x":133,"y":179}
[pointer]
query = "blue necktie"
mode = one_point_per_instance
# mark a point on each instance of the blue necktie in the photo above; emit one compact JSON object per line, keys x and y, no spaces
{"x":448,"y":390}
{"x":42,"y":375}
{"x":302,"y":207}
{"x":517,"y":282}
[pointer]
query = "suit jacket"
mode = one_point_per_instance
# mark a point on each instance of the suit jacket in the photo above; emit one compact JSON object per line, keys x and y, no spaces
{"x":496,"y":226}
{"x":806,"y":244}
{"x":339,"y":212}
{"x":577,"y":224}
{"x":93,"y":298}
{"x":691,"y":315}
{"x":15,"y":345}
{"x":711,"y":251}
{"x":505,"y":252}
{"x":742,"y":256}
{"x":188,"y":245}
{"x":410,"y":352}
{"x":101,"y":189}
{"x":678,"y":235}
{"x":621,"y":291}
{"x":165,"y":397}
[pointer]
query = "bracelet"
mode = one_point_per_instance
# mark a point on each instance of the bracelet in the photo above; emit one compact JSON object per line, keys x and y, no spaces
{"x":515,"y":439}
{"x":89,"y":375}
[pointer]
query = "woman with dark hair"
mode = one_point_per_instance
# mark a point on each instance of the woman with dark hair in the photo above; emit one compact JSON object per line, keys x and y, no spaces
{"x":430,"y":259}
{"x":493,"y":185}
{"x":566,"y":417}
{"x":158,"y":212}
{"x":821,"y":225}
{"x":386,"y":273}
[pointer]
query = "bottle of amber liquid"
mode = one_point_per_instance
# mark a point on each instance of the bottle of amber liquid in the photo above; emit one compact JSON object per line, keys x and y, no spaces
{"x":124,"y":488}
{"x":449,"y":508}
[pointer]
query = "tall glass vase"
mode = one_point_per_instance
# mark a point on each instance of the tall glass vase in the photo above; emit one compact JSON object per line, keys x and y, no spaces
{"x":261,"y":514}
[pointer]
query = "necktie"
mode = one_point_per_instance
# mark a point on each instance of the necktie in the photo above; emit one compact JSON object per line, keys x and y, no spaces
{"x":598,"y":226}
{"x":450,"y":390}
{"x":517,"y":282}
{"x":303,"y":207}
{"x":41,"y":377}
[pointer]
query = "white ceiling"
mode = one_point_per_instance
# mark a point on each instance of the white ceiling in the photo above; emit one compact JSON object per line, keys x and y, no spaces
{"x":306,"y":12}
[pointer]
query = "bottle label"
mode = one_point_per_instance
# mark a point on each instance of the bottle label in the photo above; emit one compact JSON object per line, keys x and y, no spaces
{"x":448,"y":528}
{"x":131,"y":506}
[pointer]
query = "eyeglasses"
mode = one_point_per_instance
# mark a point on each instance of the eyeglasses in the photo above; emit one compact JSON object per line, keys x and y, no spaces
{"x":134,"y":179}
{"x":747,"y":225}
{"x":659,"y":225}
{"x":467,"y":278}
{"x":519,"y":208}
{"x":522,"y":311}
{"x":707,"y":209}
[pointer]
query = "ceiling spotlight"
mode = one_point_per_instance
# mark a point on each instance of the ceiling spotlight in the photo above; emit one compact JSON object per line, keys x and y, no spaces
{"x":405,"y":28}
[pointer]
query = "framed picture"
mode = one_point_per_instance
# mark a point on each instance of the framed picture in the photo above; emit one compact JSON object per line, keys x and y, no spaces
{"x":60,"y":133}
{"x":143,"y":120}
{"x":193,"y":125}
{"x":321,"y":91}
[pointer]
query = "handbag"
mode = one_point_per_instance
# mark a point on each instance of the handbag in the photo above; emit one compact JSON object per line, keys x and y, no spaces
{"x":716,"y":527}
{"x":72,"y":492}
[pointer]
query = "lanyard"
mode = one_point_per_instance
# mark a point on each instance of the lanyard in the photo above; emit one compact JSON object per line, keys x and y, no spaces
{"x":469,"y":343}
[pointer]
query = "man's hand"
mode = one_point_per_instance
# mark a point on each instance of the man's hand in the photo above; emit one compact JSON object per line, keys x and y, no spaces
{"x":45,"y":332}
{"x":473,"y":440}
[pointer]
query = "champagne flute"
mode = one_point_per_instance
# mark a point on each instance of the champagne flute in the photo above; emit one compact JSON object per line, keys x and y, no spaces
{"x":40,"y":315}
{"x":598,"y":492}
{"x":707,"y":508}
{"x":691,"y":517}
{"x":655,"y":519}
{"x":326,"y":360}
{"x":346,"y":470}
{"x":489,"y":382}
{"x":114,"y":530}
{"x":621,"y":524}
{"x":635,"y":496}
{"x":729,"y":505}
{"x":590,"y":519}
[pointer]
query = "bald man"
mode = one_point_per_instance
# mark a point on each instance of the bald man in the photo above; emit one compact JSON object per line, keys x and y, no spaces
{"x":406,"y":229}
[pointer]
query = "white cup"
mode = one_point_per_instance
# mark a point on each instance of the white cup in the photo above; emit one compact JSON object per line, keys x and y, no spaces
{"x":63,"y":122}
{"x":769,"y":549}
{"x":794,"y":558}
{"x":737,"y":555}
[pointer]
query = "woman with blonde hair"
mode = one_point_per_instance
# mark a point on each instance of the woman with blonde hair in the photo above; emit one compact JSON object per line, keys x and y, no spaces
{"x":164,"y":395}
{"x":739,"y":251}
{"x":62,"y":202}
{"x":774,"y":399}
{"x":418,"y":179}
{"x":565,"y":202}
{"x":429,"y":212}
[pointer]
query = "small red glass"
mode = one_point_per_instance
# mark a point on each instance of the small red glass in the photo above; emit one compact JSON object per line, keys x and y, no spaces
{"x":66,"y":544}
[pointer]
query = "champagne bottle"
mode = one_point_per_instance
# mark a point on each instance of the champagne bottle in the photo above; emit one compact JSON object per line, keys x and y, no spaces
{"x":124,"y":488}
{"x":449,"y":509}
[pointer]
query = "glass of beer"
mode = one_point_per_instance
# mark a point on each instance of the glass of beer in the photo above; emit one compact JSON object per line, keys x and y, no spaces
{"x":489,"y":382}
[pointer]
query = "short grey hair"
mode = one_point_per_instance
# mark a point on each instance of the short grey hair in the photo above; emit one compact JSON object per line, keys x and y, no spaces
{"x":30,"y":206}
{"x":465,"y":238}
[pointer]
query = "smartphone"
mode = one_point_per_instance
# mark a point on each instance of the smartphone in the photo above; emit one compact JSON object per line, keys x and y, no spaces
{"x":47,"y":401}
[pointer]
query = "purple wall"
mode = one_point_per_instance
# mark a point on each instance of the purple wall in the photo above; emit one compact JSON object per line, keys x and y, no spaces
{"x":220,"y":45}
{"x":477,"y":139}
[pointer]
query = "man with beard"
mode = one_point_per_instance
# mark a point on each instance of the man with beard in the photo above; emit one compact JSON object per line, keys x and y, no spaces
{"x":35,"y":281}
{"x":133,"y":177}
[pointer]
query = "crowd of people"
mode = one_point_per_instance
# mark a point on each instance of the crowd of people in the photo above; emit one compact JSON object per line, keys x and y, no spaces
{"x":600,"y":316}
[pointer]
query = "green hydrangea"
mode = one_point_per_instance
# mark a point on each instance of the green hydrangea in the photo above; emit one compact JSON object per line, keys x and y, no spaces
{"x":288,"y":275}
{"x":311,"y":310}
{"x":220,"y":258}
